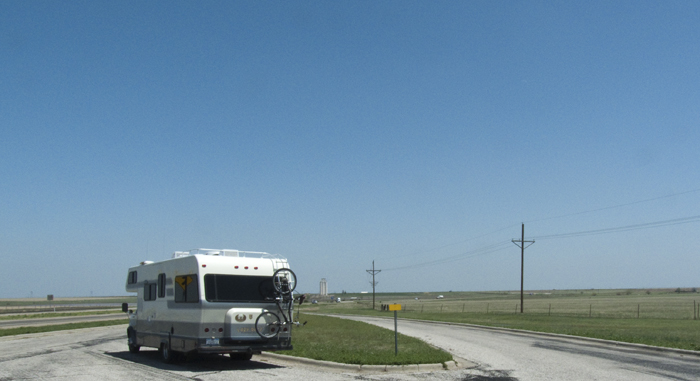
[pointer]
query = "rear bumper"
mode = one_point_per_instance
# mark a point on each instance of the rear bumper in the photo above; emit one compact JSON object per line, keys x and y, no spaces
{"x":187,"y":344}
{"x":243,"y":348}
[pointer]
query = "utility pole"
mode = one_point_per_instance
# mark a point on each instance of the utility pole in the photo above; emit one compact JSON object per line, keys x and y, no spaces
{"x":373,"y":272}
{"x":521,"y":244}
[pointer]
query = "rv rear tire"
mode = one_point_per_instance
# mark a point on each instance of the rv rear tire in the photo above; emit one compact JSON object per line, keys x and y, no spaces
{"x":166,"y":354}
{"x":240,"y":356}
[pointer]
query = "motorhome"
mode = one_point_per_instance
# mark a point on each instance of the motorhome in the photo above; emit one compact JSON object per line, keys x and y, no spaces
{"x":211,"y":301}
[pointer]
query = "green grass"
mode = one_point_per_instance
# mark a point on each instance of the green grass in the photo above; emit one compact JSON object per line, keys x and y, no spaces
{"x":60,"y":327}
{"x":352,"y":342}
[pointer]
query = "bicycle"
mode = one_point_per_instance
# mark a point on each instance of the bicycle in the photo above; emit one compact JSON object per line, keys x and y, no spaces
{"x":268,"y":325}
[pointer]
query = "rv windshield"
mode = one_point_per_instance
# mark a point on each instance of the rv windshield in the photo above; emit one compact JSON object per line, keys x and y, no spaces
{"x":237,"y":288}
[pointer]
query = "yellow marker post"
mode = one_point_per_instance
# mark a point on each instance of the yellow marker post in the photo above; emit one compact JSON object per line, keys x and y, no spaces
{"x":395,"y":308}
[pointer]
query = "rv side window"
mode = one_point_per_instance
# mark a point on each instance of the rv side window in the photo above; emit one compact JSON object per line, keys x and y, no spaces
{"x":149,"y":291}
{"x":161,"y":285}
{"x":132,"y":277}
{"x":186,"y":290}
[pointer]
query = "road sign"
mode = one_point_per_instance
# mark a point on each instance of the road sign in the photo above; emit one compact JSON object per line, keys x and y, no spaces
{"x":395,"y":308}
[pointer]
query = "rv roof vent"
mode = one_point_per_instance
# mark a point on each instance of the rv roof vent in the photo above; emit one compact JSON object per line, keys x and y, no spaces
{"x":146,"y":262}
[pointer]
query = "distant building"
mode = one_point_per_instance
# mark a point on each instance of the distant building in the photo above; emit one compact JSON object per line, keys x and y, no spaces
{"x":324,"y":287}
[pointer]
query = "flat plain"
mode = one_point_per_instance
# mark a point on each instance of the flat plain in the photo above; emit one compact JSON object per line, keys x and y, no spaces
{"x":659,"y":317}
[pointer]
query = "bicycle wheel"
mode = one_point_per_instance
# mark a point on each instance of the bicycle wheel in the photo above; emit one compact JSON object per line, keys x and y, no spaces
{"x":267,"y":325}
{"x":284,"y":281}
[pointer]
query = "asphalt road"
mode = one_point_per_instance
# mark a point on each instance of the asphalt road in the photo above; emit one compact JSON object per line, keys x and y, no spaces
{"x":102,"y":353}
{"x":506,"y":355}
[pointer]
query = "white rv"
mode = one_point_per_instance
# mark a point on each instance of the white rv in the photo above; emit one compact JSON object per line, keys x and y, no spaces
{"x":212,"y":301}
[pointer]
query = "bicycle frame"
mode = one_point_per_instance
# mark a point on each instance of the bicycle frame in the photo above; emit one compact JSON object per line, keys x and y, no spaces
{"x":268,"y":325}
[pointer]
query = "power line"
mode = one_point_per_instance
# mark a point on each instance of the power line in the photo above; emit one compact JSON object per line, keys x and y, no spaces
{"x":647,"y":225}
{"x":451,"y":244}
{"x":616,"y":206}
{"x":500,"y":246}
{"x":476,"y":252}
{"x":510,"y":226}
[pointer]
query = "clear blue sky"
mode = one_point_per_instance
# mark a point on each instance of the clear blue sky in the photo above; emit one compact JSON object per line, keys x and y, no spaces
{"x":338,"y":133}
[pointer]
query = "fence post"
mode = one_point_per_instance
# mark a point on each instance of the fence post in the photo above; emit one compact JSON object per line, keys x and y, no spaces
{"x":550,"y":309}
{"x":590,"y":310}
{"x":421,"y":307}
{"x":637,"y":311}
{"x":441,"y":308}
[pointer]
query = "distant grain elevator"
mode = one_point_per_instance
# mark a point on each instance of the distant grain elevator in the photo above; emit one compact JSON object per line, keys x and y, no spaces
{"x":324,"y":287}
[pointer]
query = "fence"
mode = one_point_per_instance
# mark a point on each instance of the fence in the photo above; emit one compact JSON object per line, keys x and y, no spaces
{"x":665,"y":309}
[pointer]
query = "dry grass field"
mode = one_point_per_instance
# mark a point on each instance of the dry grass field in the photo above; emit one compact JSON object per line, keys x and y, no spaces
{"x":680,"y":304}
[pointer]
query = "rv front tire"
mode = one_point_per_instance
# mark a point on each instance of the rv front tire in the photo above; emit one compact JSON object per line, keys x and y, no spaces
{"x":131,"y":335}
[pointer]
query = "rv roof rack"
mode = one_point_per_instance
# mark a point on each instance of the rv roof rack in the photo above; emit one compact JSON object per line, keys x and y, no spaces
{"x":227,"y":253}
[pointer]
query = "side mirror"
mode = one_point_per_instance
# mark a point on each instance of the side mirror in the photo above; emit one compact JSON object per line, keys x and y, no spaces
{"x":125,"y":307}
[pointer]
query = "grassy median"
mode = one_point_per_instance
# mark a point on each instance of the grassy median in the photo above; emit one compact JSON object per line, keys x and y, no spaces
{"x":352,"y":342}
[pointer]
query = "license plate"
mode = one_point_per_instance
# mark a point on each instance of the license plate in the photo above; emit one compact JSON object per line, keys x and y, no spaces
{"x":212,"y":341}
